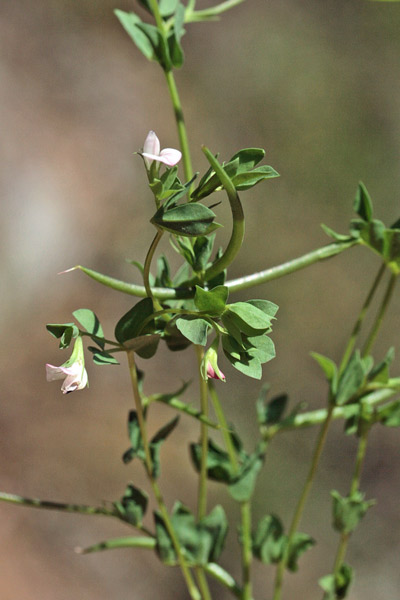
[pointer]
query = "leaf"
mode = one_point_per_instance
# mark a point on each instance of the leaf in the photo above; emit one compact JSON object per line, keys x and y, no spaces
{"x":158,"y":43}
{"x":202,"y":249}
{"x":349,"y":510}
{"x":101,"y":357}
{"x":245,"y":181}
{"x":271,"y":413}
{"x":91,"y":323}
{"x":216,"y":525}
{"x":329,"y":368}
{"x":133,"y":505}
{"x":186,"y":219}
{"x":301,"y":543}
{"x":195,"y":330}
{"x":248,"y":318}
{"x":157,"y":440}
{"x":130,"y":22}
{"x":242,"y":488}
{"x":65,"y":332}
{"x":380,"y":373}
{"x":136,"y":448}
{"x":219,"y":466}
{"x":212,"y":302}
{"x":261,"y":347}
{"x":337,"y":588}
{"x":351,"y":380}
{"x":362,"y":203}
{"x":144,"y":345}
{"x":267,"y":307}
{"x":389,"y":415}
{"x":246,"y":364}
{"x":167,"y":7}
{"x":268,"y":540}
{"x":173,"y":401}
{"x":130,"y":325}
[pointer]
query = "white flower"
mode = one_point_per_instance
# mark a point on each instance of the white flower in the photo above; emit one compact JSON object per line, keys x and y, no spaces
{"x":151,"y":151}
{"x":72,"y":371}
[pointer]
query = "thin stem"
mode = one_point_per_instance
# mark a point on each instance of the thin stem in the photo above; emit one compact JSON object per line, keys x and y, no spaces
{"x":146,"y":268}
{"x":116,"y":543}
{"x":380,"y":316}
{"x":210,"y":13}
{"x":247,"y":555}
{"x":245,"y":507}
{"x":82,"y":509}
{"x":355,"y":484}
{"x":302,"y":502}
{"x":192,"y":588}
{"x":180,"y":123}
{"x":202,"y":489}
{"x":203,"y":584}
{"x":358,"y":323}
{"x":234,"y":285}
{"x":224,"y":426}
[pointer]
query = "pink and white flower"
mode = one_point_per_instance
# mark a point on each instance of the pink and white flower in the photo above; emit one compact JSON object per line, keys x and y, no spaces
{"x":72,"y":371}
{"x":209,"y":367}
{"x":151,"y":152}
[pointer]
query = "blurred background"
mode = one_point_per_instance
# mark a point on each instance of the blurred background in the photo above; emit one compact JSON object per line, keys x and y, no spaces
{"x":315,"y":83}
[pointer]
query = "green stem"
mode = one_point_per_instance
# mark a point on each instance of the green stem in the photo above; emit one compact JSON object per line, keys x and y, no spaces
{"x":234,"y":285}
{"x":359,"y":322}
{"x":202,"y":489}
{"x":146,"y":269}
{"x":223,"y":578}
{"x":123,"y":542}
{"x":210,"y":13}
{"x":82,"y":509}
{"x":203,"y":584}
{"x":192,"y":588}
{"x":355,"y":484}
{"x":180,"y":123}
{"x":380,"y":316}
{"x":302,"y":502}
{"x":247,"y":555}
{"x":237,"y":235}
{"x":245,"y":507}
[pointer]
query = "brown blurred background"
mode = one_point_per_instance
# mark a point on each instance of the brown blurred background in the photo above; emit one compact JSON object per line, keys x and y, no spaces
{"x":315,"y":83}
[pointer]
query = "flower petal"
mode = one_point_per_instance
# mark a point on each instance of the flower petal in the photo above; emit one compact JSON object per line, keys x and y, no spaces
{"x":170,"y":156}
{"x":151,"y":144}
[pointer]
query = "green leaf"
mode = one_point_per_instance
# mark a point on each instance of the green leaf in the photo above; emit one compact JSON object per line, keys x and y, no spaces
{"x":329,"y":368}
{"x":245,"y":181}
{"x":168,"y":7}
{"x":130,"y":22}
{"x":101,"y":357}
{"x":157,"y":440}
{"x":201,"y":541}
{"x":130,"y":325}
{"x":65,"y":332}
{"x":380,"y":373}
{"x":212,"y":302}
{"x":337,"y":237}
{"x":216,"y":525}
{"x":300,"y":544}
{"x":202,"y":249}
{"x":175,"y":50}
{"x":219,"y":466}
{"x":271,"y":413}
{"x":249,"y":319}
{"x":136,"y":449}
{"x":144,"y":345}
{"x":248,"y":158}
{"x":158,"y":43}
{"x":351,"y":380}
{"x":133,"y":505}
{"x":91,"y":323}
{"x":194,"y":329}
{"x":389,"y":415}
{"x":267,"y":307}
{"x":242,"y":488}
{"x":186,"y":219}
{"x":260,"y":347}
{"x":362,"y":203}
{"x":268,"y":540}
{"x":337,"y":588}
{"x":246,"y":364}
{"x":348,"y":511}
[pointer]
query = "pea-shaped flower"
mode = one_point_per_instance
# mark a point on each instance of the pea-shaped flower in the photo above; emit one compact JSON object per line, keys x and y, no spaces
{"x":209,"y":367}
{"x":72,"y":371}
{"x":151,"y":152}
